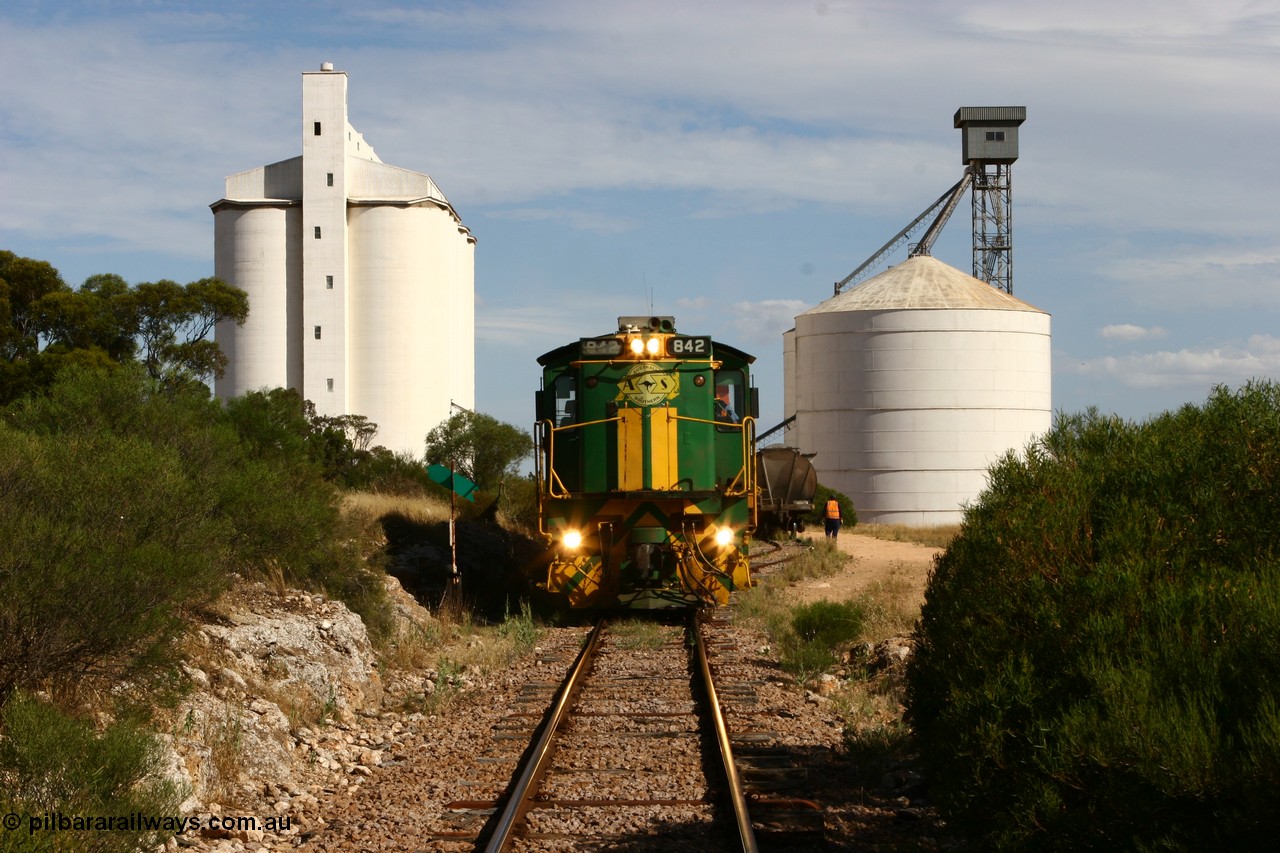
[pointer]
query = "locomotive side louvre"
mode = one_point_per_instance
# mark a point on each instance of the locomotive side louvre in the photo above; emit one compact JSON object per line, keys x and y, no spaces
{"x":646,"y":494}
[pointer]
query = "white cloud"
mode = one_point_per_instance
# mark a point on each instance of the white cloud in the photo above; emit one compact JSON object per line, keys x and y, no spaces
{"x":1228,"y":364}
{"x":817,"y":126}
{"x":1240,"y":276}
{"x":1130,"y":332}
{"x":764,"y":104}
{"x":579,"y":219}
{"x":1155,"y":23}
{"x":528,"y":325}
{"x":766,"y":319}
{"x":541,"y":320}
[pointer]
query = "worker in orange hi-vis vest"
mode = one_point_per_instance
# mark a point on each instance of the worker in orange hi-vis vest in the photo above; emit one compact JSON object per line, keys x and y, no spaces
{"x":833,"y":518}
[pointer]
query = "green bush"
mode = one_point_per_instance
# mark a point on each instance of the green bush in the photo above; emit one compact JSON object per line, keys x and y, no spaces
{"x":124,"y":501}
{"x":519,"y":504}
{"x":818,"y":631}
{"x":828,"y":624}
{"x":1098,"y":659}
{"x":55,"y":766}
{"x":389,"y":473}
{"x":105,"y":539}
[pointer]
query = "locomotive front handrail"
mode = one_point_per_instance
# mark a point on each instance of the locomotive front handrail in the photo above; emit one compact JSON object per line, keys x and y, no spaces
{"x":747,"y":472}
{"x":556,"y":488}
{"x":714,"y":363}
{"x":553,"y":479}
{"x":726,"y":424}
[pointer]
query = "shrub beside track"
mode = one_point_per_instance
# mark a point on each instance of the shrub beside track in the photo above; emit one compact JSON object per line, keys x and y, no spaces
{"x":1098,"y":658}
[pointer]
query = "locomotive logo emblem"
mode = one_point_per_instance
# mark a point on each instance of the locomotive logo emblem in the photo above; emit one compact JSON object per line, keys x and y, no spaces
{"x":646,"y":384}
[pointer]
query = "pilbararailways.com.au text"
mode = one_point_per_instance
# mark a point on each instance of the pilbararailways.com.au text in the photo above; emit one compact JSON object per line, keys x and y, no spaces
{"x":138,"y":822}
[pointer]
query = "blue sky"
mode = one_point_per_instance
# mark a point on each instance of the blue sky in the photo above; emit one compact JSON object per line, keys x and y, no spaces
{"x":724,"y":162}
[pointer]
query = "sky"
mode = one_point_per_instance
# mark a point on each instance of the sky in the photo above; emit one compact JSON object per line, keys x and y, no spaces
{"x":722,"y":162}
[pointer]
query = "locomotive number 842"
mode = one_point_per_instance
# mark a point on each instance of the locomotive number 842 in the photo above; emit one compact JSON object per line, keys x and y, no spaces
{"x":645,"y":468}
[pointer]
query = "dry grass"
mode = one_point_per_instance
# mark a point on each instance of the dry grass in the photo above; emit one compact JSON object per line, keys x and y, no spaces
{"x":638,"y":634}
{"x":939,"y":536}
{"x":819,"y":559}
{"x":463,"y":651}
{"x":875,"y":734}
{"x":892,"y":607}
{"x":412,"y":645}
{"x":763,"y":608}
{"x":368,"y":507}
{"x":225,"y":739}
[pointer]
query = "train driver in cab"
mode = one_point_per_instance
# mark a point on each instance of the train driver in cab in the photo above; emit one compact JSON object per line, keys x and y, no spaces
{"x":724,"y":408}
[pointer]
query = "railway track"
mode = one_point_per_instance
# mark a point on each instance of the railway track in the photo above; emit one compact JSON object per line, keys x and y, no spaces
{"x":636,"y":752}
{"x":624,"y":753}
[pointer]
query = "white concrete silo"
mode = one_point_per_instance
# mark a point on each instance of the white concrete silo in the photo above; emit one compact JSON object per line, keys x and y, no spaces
{"x":257,"y":248}
{"x":407,"y":315}
{"x":908,"y":386}
{"x":360,"y":277}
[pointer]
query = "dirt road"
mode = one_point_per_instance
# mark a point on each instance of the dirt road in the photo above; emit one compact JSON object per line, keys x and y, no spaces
{"x":903,"y":565}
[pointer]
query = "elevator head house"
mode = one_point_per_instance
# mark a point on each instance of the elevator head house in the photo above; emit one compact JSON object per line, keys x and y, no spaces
{"x":989,"y":134}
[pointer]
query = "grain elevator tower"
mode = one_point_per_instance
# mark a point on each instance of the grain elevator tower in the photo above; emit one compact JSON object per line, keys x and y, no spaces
{"x":360,"y":278}
{"x":989,"y":145}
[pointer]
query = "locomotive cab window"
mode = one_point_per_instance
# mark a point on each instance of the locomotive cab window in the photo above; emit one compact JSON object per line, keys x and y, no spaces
{"x":566,"y":388}
{"x":730,"y":397}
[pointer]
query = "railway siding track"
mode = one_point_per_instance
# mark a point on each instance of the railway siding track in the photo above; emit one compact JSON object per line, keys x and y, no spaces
{"x":637,"y":749}
{"x":624,"y":755}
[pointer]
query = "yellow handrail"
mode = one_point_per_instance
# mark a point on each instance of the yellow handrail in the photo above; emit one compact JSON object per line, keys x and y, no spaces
{"x":746,"y":475}
{"x":553,"y":479}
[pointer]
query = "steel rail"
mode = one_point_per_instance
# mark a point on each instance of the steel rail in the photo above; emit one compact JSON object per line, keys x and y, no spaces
{"x":740,"y":813}
{"x":527,"y":785}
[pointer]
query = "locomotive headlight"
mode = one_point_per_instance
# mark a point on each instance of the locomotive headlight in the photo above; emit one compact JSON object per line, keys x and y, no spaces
{"x":571,"y":539}
{"x":724,"y":536}
{"x":653,"y":345}
{"x":637,"y":346}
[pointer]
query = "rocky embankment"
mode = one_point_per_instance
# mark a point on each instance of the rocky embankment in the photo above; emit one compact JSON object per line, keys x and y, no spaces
{"x":289,"y":707}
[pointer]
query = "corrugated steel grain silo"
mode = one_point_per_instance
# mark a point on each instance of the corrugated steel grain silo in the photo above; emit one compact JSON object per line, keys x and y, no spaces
{"x":908,"y":386}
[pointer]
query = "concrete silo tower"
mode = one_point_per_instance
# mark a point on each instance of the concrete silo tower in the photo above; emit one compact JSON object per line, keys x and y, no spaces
{"x":908,"y":386}
{"x":360,"y":276}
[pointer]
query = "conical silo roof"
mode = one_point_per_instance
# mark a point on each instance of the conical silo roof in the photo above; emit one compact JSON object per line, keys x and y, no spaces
{"x":922,"y":282}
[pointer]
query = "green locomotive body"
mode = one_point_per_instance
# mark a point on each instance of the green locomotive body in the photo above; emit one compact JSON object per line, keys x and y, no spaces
{"x":645,"y":467}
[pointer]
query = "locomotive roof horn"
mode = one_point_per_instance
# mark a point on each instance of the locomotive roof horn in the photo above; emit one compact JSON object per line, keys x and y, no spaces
{"x":647,"y":324}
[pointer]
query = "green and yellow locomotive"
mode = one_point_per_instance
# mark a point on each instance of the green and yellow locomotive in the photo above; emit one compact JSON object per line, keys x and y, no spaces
{"x":645,"y":468}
